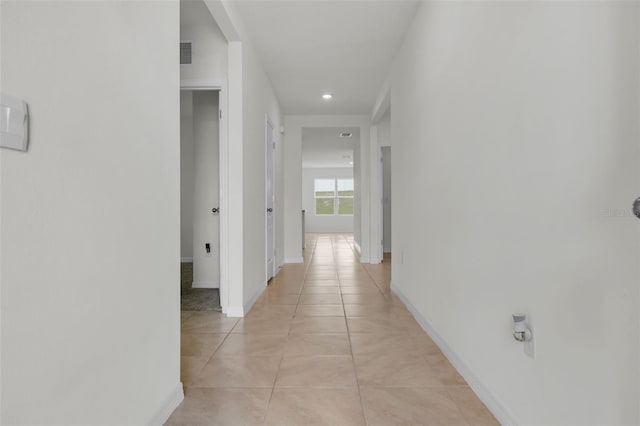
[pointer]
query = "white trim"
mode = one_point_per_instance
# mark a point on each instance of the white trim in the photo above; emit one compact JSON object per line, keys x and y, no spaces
{"x":202,"y":84}
{"x":204,"y":284}
{"x":223,"y":197}
{"x":247,"y":306}
{"x":165,"y":411}
{"x":365,"y":260}
{"x":492,"y":402}
{"x":294,"y":260}
{"x":186,"y":260}
{"x":380,"y":196}
{"x":357,"y":247}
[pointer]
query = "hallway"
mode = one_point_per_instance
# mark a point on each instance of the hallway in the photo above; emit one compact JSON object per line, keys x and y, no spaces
{"x":326,"y":344}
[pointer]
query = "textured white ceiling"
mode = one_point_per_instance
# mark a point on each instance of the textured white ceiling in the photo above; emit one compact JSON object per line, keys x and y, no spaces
{"x":309,"y":47}
{"x":322,"y":147}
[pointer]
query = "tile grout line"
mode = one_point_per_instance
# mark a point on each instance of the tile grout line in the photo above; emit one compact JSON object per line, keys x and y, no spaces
{"x":353,"y":360}
{"x":275,"y":379}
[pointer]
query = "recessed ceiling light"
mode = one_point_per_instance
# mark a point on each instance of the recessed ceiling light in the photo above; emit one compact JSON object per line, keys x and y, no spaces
{"x":327,"y":96}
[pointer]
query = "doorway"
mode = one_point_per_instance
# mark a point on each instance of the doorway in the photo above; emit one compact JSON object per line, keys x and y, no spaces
{"x":329,"y":179}
{"x":200,"y":200}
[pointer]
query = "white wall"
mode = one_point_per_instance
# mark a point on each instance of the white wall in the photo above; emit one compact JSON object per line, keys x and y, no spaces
{"x":187,"y":175}
{"x":90,"y":217}
{"x":209,"y":46}
{"x":206,"y":132}
{"x":321,"y":223}
{"x":258,"y":100}
{"x":293,"y":180}
{"x":518,"y":122}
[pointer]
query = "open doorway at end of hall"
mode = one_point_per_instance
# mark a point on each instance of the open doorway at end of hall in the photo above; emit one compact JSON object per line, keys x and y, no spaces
{"x":199,"y":206}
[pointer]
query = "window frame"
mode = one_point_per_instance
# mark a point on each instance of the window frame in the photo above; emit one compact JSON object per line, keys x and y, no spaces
{"x":336,"y":197}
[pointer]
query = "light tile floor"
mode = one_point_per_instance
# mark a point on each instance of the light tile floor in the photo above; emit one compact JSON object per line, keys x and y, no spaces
{"x":327,"y":344}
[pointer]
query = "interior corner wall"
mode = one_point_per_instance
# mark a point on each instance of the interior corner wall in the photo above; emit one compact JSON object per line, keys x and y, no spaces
{"x":323,"y":223}
{"x":259,"y":102}
{"x":90,"y":215}
{"x":519,"y":123}
{"x":209,"y":46}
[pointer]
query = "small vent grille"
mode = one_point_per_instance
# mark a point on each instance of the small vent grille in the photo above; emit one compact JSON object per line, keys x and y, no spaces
{"x":185,"y":53}
{"x":346,"y":134}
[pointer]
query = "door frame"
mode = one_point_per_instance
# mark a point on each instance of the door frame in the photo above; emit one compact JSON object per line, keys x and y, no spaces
{"x":267,"y":123}
{"x":381,"y":198}
{"x":219,"y":86}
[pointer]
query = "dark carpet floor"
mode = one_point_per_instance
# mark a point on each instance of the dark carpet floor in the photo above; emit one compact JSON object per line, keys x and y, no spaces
{"x":196,"y":299}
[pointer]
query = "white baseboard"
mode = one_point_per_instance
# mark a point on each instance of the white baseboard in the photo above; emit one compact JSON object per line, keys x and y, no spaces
{"x":204,"y":284}
{"x":235,"y":311}
{"x":163,"y":414}
{"x":494,"y":405}
{"x":247,"y":306}
{"x":186,"y":260}
{"x":294,"y":260}
{"x":357,"y":247}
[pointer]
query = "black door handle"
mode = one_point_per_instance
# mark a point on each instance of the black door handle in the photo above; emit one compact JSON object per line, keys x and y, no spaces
{"x":215,"y":210}
{"x":269,"y":210}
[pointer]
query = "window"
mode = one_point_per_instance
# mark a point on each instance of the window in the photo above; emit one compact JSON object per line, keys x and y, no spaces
{"x":333,"y":197}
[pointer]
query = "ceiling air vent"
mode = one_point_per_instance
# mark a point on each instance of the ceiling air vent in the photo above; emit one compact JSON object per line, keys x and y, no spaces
{"x":185,"y":52}
{"x":346,"y":134}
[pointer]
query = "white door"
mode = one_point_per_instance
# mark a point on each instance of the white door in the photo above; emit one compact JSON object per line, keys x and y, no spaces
{"x":270,"y":251}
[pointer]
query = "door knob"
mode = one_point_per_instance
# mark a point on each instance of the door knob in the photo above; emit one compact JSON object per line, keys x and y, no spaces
{"x":215,"y":210}
{"x":269,"y":210}
{"x":636,"y":207}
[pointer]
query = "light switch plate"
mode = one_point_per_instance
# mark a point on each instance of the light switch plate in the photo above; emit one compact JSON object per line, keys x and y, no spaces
{"x":14,"y":123}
